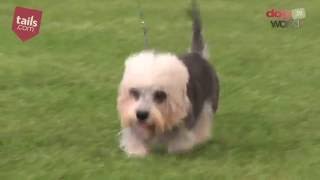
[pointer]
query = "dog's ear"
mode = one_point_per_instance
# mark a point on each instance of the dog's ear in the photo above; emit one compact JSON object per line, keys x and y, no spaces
{"x":124,"y":103}
{"x":121,"y":97}
{"x":178,"y":107}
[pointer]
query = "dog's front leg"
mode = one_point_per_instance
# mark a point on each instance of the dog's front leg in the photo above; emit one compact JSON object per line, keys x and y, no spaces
{"x":182,"y":141}
{"x":132,"y":144}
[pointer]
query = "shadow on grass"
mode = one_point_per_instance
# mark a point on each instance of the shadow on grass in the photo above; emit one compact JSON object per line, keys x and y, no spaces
{"x":233,"y":131}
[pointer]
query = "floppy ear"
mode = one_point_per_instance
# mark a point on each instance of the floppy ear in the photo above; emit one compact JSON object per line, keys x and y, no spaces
{"x":124,"y":103}
{"x":160,"y":121}
{"x":182,"y":105}
{"x":178,"y":108}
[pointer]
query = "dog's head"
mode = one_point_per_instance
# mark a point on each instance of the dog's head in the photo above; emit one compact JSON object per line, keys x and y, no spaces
{"x":153,"y":92}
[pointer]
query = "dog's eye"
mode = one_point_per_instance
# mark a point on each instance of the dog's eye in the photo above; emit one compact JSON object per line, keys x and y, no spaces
{"x":134,"y":93}
{"x":159,"y":96}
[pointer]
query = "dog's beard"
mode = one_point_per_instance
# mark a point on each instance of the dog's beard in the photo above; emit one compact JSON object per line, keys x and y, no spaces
{"x":152,"y":126}
{"x":148,"y":129}
{"x":145,"y":131}
{"x":160,"y":121}
{"x":162,"y":117}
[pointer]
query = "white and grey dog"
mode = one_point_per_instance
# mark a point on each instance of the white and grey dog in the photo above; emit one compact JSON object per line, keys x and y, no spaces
{"x":168,"y":99}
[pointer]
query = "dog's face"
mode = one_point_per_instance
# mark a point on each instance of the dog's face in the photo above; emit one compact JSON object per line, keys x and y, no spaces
{"x":145,"y":107}
{"x":152,"y":93}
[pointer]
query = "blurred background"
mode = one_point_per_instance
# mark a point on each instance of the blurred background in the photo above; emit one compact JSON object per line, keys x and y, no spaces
{"x":58,"y":91}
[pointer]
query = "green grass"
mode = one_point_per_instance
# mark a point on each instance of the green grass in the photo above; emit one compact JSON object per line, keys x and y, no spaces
{"x":58,"y":116}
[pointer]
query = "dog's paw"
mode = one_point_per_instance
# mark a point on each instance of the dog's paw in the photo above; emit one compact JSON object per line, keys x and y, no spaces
{"x":132,"y":145}
{"x":136,"y":151}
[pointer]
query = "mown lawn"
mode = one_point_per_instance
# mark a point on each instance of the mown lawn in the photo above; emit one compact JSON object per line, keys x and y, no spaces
{"x":58,"y":118}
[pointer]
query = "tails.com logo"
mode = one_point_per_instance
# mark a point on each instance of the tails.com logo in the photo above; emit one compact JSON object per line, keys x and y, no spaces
{"x":26,"y":22}
{"x":286,"y":18}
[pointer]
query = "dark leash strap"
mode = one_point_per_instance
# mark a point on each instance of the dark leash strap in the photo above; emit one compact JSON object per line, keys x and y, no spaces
{"x":144,"y":26}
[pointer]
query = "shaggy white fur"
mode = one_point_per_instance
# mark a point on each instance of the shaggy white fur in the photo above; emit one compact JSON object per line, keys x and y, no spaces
{"x":148,"y":69}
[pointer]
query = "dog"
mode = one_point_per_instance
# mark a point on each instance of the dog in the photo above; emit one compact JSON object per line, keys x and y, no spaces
{"x":168,"y":99}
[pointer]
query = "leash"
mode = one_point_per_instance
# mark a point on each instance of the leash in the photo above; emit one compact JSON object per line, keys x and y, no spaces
{"x":143,"y":25}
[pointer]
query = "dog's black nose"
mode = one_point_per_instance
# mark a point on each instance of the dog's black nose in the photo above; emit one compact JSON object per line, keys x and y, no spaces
{"x":142,"y":115}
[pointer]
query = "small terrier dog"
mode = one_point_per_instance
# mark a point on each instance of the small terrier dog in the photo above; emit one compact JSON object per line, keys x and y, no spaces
{"x":168,"y":99}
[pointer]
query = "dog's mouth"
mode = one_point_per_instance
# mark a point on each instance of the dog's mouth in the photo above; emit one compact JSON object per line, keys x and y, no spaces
{"x":144,"y":130}
{"x":147,"y":126}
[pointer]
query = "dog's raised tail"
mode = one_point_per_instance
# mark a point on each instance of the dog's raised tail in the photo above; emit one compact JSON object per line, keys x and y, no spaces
{"x":198,"y":45}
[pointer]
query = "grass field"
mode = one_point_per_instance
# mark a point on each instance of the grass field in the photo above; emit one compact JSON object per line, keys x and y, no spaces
{"x":58,"y":116}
